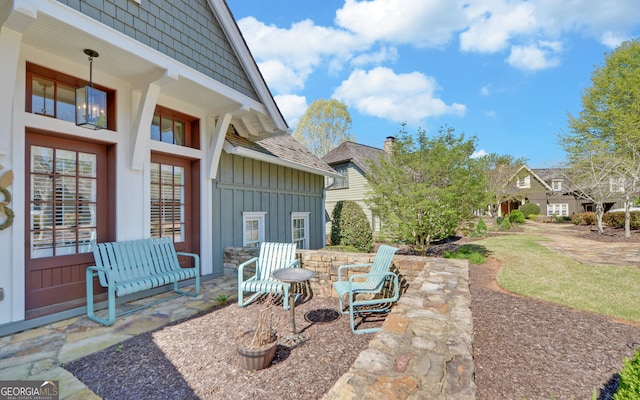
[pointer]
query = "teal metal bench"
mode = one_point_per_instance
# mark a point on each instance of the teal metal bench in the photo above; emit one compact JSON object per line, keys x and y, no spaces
{"x":365,"y":290}
{"x":133,"y":266}
{"x":272,"y":256}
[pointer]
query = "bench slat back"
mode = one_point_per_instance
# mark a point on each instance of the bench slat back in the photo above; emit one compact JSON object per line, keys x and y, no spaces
{"x":381,"y":264}
{"x":274,"y":256}
{"x":133,"y":259}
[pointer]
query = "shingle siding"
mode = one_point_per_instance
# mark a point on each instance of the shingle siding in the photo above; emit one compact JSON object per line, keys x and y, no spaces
{"x":193,"y":36}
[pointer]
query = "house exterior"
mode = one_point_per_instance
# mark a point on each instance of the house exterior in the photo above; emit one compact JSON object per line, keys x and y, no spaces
{"x":549,"y":190}
{"x":194,"y":146}
{"x":350,"y":160}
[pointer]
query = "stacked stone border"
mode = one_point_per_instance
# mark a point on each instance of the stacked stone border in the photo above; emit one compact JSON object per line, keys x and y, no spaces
{"x":425,"y":347}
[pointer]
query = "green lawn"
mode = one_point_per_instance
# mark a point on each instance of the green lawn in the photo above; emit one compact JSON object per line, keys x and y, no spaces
{"x":532,"y":270}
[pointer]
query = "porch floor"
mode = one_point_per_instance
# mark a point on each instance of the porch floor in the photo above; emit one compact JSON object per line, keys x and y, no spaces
{"x":38,"y":354}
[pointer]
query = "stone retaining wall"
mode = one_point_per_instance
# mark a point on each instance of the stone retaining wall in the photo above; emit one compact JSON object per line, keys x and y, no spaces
{"x":425,"y":347}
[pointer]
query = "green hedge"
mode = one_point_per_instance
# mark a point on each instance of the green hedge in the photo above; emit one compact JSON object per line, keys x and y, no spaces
{"x":349,"y":226}
{"x":529,"y":209}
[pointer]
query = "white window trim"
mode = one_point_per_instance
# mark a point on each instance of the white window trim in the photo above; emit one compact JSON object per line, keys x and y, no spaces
{"x":305,"y":217}
{"x":560,"y":209}
{"x":556,"y":185}
{"x":526,"y":182}
{"x":260,"y":216}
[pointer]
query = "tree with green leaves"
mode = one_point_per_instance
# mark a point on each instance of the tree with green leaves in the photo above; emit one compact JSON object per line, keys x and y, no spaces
{"x":498,"y":169}
{"x":610,"y":119}
{"x":426,"y":187}
{"x":324,"y":125}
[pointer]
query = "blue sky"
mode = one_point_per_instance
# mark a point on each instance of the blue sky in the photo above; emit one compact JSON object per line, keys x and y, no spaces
{"x":504,"y":71}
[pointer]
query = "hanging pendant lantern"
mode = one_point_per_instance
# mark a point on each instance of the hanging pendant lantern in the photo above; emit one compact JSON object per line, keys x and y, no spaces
{"x":91,"y":103}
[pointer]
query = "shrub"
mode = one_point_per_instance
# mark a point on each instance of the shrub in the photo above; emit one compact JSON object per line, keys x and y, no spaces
{"x":616,"y":219}
{"x":584,"y":218}
{"x":505,"y":224}
{"x":481,"y":228}
{"x":629,"y":385}
{"x":516,"y":217}
{"x":530,"y":209}
{"x":349,"y":226}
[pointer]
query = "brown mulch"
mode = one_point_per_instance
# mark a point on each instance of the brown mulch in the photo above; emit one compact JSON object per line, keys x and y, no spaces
{"x":196,"y":358}
{"x":523,"y":348}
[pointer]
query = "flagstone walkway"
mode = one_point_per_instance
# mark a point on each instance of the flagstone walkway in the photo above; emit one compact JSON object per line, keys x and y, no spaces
{"x":38,"y":354}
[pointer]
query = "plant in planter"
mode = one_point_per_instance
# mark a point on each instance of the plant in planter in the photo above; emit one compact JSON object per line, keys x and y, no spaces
{"x":257,"y":347}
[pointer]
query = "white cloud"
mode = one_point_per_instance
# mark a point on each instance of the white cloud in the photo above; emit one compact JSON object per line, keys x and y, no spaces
{"x":479,"y":153}
{"x":283,"y":78}
{"x":606,"y":21}
{"x":419,"y":22}
{"x":485,"y":90}
{"x":290,"y":55}
{"x":376,"y":58}
{"x":492,"y":24}
{"x":373,"y":32}
{"x":292,"y":107}
{"x":398,"y":97}
{"x":535,"y":57}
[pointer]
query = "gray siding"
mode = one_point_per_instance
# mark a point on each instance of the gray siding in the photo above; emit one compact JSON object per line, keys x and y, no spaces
{"x":244,"y":184}
{"x":184,"y":30}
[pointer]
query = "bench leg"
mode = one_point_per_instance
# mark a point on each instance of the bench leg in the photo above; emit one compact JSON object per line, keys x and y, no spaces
{"x":195,"y":293}
{"x":90,"y":305}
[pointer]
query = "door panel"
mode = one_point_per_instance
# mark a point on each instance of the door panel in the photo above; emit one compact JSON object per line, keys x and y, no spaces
{"x":173,"y":193}
{"x":66,"y":199}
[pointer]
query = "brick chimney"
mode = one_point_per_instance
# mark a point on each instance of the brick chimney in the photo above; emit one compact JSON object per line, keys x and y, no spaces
{"x":388,"y":144}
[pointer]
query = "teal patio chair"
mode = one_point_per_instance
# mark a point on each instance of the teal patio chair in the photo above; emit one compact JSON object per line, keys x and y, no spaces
{"x":272,"y":256}
{"x":366,"y":290}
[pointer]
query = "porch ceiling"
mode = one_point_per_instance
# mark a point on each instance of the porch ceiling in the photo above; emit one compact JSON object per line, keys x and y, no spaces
{"x":131,"y":61}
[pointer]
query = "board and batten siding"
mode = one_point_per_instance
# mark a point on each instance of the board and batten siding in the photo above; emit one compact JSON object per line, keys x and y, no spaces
{"x":244,"y":185}
{"x":357,"y":192}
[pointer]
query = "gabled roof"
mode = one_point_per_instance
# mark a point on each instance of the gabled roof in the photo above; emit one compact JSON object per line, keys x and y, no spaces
{"x":536,"y":176}
{"x":353,"y":152}
{"x":133,"y":52}
{"x":280,"y":150}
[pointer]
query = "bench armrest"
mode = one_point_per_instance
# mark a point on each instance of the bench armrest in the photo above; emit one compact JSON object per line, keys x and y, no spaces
{"x":351,"y":266}
{"x":196,"y":260}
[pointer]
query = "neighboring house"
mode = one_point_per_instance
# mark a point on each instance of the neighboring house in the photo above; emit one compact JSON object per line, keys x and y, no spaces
{"x":194,"y":146}
{"x":350,"y":160}
{"x":547,"y":189}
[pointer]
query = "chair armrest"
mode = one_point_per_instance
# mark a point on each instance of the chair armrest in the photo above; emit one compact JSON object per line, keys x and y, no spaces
{"x":294,"y":264}
{"x":374,"y":290}
{"x":244,"y":264}
{"x":351,"y":266}
{"x":196,"y":260}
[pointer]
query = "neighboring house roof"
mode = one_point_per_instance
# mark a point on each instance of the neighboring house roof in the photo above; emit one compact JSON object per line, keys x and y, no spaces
{"x":353,"y":152}
{"x":280,"y":150}
{"x":534,"y":174}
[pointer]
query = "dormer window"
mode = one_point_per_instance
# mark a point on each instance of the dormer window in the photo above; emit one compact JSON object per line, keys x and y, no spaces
{"x":556,"y":185}
{"x":524,"y":182}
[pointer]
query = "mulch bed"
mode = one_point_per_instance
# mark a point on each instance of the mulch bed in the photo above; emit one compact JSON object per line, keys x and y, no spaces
{"x":523,"y":348}
{"x":196,"y":358}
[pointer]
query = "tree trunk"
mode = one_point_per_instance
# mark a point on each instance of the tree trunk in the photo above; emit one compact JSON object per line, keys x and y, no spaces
{"x":599,"y":215}
{"x":627,"y":217}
